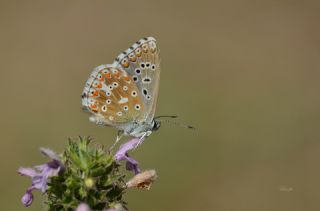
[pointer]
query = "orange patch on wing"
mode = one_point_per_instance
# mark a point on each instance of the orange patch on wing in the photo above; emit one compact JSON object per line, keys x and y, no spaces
{"x":136,"y":100}
{"x":117,"y":75}
{"x":94,"y":107}
{"x":95,"y":93}
{"x":126,"y":78}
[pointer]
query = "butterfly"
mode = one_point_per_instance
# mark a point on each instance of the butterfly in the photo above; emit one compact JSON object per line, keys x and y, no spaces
{"x":123,"y":94}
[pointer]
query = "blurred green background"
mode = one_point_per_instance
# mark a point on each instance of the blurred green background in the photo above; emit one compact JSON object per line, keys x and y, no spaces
{"x":244,"y":73}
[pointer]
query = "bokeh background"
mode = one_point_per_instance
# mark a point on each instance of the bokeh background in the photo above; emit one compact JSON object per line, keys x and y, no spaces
{"x":244,"y":73}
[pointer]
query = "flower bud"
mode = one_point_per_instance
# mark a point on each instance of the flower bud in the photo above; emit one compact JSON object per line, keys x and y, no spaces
{"x":89,"y":183}
{"x":27,"y":199}
{"x":143,"y":180}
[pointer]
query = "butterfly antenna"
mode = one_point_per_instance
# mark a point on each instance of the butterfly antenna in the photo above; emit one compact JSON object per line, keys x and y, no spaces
{"x":167,"y":116}
{"x":177,"y":123}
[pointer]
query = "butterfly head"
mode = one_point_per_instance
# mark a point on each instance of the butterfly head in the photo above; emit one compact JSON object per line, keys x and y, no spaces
{"x":142,"y":129}
{"x":156,"y":124}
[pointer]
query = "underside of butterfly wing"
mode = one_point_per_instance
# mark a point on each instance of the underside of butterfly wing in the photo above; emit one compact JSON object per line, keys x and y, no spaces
{"x":142,"y":62}
{"x":112,"y":97}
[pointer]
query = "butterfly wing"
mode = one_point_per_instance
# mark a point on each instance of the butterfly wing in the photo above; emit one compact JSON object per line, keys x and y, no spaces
{"x":142,"y":62}
{"x":111,"y":95}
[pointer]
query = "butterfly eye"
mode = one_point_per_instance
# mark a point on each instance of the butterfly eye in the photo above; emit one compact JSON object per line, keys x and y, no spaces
{"x":126,"y":108}
{"x":145,"y":48}
{"x":137,"y":107}
{"x":125,"y":62}
{"x":132,"y":57}
{"x":138,"y":71}
{"x":138,"y":52}
{"x":108,"y":101}
{"x":125,"y":88}
{"x":133,"y":93}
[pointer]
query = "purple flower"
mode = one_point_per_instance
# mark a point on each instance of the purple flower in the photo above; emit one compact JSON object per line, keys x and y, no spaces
{"x":27,"y":198}
{"x":83,"y":207}
{"x":122,"y":154}
{"x":40,"y":175}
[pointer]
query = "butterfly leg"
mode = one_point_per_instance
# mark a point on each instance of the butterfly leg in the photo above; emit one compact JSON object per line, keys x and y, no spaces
{"x":144,"y":135}
{"x":119,"y":136}
{"x":141,"y":139}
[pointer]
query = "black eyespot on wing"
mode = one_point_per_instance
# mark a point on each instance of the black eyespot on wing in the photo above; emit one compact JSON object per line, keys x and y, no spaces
{"x":146,"y":80}
{"x":145,"y":92}
{"x":137,"y":107}
{"x":138,"y":71}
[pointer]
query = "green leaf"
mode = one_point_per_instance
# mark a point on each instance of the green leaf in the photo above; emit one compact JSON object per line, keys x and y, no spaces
{"x":83,"y":161}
